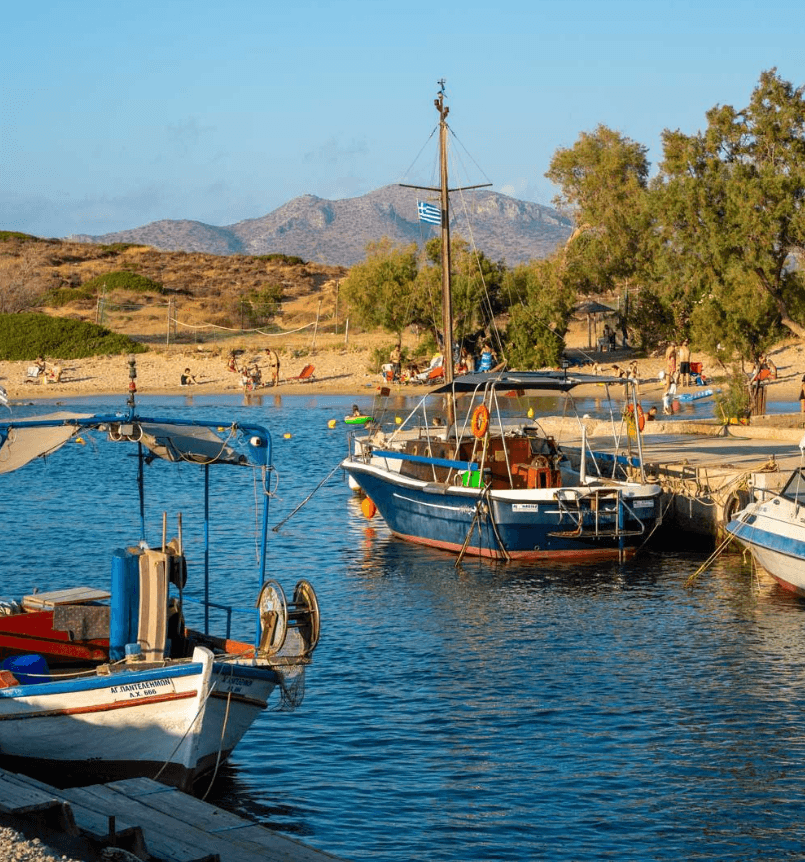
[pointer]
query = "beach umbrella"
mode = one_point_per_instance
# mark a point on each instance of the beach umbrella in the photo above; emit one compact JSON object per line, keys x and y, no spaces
{"x":591,"y":309}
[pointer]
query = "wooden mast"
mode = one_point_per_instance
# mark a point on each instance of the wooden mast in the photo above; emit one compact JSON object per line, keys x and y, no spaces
{"x":447,"y":299}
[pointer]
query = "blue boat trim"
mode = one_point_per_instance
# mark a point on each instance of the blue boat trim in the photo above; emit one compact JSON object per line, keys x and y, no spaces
{"x":424,"y":459}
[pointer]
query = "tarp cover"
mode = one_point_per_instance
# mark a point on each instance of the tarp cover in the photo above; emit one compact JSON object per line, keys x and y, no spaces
{"x":19,"y":446}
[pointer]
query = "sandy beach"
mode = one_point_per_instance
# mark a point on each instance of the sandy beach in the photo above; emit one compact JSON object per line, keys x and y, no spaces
{"x":337,"y":370}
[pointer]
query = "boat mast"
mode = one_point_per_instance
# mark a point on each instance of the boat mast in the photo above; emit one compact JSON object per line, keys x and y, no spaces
{"x":447,"y":299}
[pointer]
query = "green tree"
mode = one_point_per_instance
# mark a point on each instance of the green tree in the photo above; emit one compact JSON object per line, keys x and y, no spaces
{"x":603,"y":179}
{"x":379,"y":291}
{"x":539,"y":319}
{"x":475,"y":286}
{"x":731,"y":205}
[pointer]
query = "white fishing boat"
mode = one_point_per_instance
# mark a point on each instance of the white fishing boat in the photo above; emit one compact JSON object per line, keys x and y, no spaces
{"x":101,"y":684}
{"x":484,"y":483}
{"x":772,"y":527}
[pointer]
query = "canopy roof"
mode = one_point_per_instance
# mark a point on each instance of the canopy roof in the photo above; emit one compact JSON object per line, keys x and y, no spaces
{"x":534,"y":381}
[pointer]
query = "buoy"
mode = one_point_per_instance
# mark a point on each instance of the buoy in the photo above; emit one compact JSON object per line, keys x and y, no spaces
{"x":368,"y":507}
{"x":530,"y":412}
{"x":287,"y":436}
{"x":81,"y":441}
{"x":398,"y":420}
{"x":331,"y":423}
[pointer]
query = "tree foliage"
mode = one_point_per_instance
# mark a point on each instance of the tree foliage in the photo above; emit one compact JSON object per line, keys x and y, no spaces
{"x":379,"y":290}
{"x":731,"y":204}
{"x":539,"y":320}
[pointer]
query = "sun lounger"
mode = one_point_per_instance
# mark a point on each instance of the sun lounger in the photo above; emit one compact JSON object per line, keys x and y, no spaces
{"x":305,"y":374}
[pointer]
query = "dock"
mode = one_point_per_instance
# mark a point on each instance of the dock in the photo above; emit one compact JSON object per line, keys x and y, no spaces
{"x":708,"y":471}
{"x":149,"y":820}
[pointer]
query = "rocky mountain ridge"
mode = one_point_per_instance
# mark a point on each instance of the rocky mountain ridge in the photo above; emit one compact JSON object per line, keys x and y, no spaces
{"x":336,"y":233}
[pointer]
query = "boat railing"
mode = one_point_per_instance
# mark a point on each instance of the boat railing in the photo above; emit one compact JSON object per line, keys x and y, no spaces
{"x":575,"y":505}
{"x":449,"y":463}
{"x":228,"y":610}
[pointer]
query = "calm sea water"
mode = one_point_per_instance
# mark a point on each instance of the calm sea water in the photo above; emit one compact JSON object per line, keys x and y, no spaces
{"x":510,"y":712}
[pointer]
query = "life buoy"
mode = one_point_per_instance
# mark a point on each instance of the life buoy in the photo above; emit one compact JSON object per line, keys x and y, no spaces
{"x":480,"y":421}
{"x":641,"y":417}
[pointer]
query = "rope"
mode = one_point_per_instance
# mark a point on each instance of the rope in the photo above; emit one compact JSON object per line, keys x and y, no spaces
{"x":220,"y":741}
{"x":276,"y":528}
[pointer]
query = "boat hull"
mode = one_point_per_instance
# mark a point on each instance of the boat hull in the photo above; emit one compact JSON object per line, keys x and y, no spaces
{"x":526,"y":525}
{"x":172,"y":723}
{"x":776,"y":539}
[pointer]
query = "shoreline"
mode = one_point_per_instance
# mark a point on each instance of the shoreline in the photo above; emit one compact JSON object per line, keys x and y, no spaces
{"x":341,"y":372}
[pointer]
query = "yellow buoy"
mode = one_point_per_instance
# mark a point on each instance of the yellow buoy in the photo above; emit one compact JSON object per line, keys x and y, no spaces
{"x":398,"y":420}
{"x":331,"y":423}
{"x":287,"y":436}
{"x":80,"y":440}
{"x":530,"y":412}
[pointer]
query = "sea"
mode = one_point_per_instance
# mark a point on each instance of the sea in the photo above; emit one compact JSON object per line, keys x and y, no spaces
{"x":521,"y":711}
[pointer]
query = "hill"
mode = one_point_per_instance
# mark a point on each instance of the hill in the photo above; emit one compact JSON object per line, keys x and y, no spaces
{"x":335,"y":233}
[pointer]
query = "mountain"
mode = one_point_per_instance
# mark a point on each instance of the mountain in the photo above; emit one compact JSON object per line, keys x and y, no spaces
{"x":335,"y":233}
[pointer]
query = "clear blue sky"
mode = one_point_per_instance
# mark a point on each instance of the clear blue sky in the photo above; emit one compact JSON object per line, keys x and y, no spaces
{"x":113,"y":115}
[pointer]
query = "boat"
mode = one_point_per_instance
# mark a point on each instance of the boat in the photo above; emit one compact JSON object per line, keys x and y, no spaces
{"x":99,"y":684}
{"x":772,"y":528}
{"x":472,"y":478}
{"x":351,"y":419}
{"x":696,"y":396}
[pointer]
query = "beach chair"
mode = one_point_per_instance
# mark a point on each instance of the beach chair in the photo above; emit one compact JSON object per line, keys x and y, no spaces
{"x":33,"y":374}
{"x":305,"y":374}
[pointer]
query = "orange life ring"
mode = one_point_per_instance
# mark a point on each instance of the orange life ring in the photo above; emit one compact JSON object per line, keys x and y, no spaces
{"x":641,"y":417}
{"x":480,"y":421}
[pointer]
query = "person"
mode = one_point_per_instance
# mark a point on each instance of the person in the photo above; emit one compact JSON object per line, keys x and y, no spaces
{"x":273,"y":366}
{"x":232,"y":365}
{"x":802,"y":395}
{"x":54,"y":375}
{"x":356,"y":411}
{"x":668,"y":395}
{"x":612,"y":342}
{"x":463,"y":364}
{"x":632,"y":374}
{"x":605,"y":342}
{"x":396,"y":360}
{"x":488,"y":358}
{"x":651,"y":416}
{"x":187,"y":379}
{"x":40,"y":363}
{"x":670,"y":362}
{"x":684,"y":363}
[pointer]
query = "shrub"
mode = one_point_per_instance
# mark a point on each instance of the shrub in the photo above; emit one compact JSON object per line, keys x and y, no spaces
{"x":25,"y":336}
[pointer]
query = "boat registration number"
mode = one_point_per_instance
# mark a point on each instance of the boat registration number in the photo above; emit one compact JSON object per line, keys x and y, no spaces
{"x":644,"y":504}
{"x":150,"y":688}
{"x":525,"y":507}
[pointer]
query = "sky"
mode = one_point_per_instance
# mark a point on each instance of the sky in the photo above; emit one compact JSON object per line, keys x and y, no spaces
{"x":117,"y":114}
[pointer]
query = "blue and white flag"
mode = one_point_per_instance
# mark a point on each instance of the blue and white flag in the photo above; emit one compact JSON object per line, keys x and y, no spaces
{"x":429,"y":213}
{"x":3,"y":397}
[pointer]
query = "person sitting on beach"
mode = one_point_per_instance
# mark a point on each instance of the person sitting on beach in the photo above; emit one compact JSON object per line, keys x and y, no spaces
{"x":54,"y":375}
{"x":187,"y":379}
{"x":651,"y":416}
{"x":232,"y":365}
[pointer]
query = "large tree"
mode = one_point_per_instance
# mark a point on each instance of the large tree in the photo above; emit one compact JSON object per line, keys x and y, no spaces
{"x":603,"y":180}
{"x":731,"y":204}
{"x":379,"y":290}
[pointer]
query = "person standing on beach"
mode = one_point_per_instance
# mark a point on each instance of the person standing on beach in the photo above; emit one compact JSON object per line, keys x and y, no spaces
{"x":396,"y":361}
{"x":802,"y":396}
{"x":684,"y":363}
{"x":273,"y":366}
{"x":670,"y":362}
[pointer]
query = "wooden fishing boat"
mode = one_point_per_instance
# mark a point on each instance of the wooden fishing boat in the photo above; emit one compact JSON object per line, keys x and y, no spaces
{"x":483,"y":482}
{"x":98,"y":684}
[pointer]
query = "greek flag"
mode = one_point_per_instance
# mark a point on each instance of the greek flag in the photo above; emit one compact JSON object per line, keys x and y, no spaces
{"x":3,"y":397}
{"x":429,"y":213}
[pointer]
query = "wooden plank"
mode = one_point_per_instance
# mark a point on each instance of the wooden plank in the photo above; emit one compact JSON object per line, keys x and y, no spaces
{"x":73,"y":595}
{"x":243,"y":835}
{"x":165,"y":837}
{"x":18,"y":798}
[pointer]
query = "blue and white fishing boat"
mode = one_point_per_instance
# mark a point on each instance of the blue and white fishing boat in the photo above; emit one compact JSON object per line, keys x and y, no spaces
{"x":103,"y":684}
{"x":485,"y":483}
{"x":492,"y":483}
{"x":772,"y":527}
